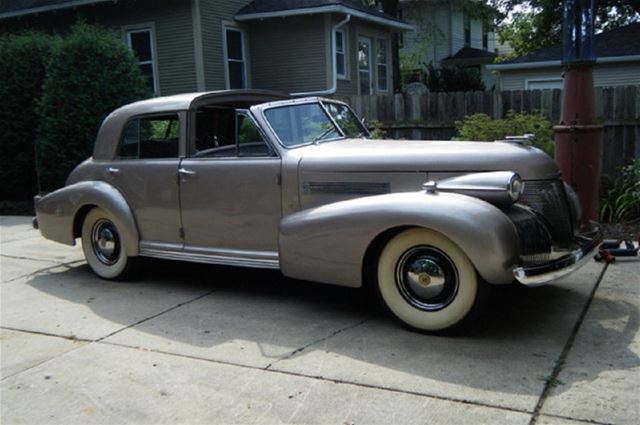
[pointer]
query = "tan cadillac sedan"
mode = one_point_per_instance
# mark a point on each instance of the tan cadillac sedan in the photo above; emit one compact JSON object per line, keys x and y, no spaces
{"x":256,"y":179}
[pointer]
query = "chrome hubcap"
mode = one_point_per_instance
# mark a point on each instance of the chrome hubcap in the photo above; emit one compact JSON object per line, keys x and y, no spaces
{"x":105,"y":241}
{"x":427,"y":278}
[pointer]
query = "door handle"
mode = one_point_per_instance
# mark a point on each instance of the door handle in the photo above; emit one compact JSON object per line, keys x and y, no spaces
{"x":185,"y":172}
{"x":113,"y":171}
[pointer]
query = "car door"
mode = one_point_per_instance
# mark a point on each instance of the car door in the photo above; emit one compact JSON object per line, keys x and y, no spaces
{"x":145,"y":170}
{"x":230,"y":187}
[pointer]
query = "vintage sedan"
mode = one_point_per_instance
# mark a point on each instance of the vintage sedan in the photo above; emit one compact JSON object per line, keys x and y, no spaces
{"x":257,"y":179}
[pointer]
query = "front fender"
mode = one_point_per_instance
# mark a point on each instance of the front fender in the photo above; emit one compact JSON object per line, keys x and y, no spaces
{"x":328,"y":243}
{"x":57,"y":212}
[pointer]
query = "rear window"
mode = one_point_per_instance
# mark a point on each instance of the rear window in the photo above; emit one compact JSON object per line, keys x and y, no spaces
{"x":150,"y":138}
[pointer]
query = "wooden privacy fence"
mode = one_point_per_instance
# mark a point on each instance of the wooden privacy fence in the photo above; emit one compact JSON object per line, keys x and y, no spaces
{"x":418,"y":114}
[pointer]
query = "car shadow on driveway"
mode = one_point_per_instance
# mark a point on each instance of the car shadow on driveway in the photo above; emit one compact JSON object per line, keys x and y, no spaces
{"x":261,"y":319}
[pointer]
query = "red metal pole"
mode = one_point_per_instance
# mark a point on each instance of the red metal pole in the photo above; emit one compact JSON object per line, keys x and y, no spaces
{"x":578,"y":137}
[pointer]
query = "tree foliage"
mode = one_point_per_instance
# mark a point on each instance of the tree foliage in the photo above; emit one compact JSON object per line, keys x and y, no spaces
{"x":451,"y":78}
{"x":23,"y":59}
{"x":91,"y":73}
{"x":529,"y":25}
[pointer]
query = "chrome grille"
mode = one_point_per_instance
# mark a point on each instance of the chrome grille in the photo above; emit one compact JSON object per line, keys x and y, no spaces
{"x":548,"y":198}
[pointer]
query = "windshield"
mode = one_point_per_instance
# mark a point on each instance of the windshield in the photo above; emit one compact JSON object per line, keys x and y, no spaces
{"x":307,"y":123}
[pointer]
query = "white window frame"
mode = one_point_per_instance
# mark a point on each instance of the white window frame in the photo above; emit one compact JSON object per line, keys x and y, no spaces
{"x":379,"y":64}
{"x":345,"y":53}
{"x":528,"y":82}
{"x":243,"y":42}
{"x":149,"y":27}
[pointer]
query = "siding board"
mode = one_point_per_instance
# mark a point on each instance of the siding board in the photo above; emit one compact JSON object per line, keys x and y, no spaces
{"x":289,"y":54}
{"x":604,"y":75}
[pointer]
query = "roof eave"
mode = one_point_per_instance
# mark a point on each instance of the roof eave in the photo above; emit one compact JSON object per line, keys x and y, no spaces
{"x":327,"y":9}
{"x":50,"y":8}
{"x":546,"y":64}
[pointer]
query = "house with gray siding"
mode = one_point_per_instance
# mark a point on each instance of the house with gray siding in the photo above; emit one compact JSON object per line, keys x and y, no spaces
{"x":340,"y":47}
{"x":617,"y":63}
{"x":447,"y":33}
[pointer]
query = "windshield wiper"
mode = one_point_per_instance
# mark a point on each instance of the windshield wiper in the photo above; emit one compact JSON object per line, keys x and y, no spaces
{"x":323,"y":135}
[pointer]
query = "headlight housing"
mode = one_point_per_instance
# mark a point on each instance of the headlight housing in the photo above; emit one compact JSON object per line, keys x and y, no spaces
{"x":501,"y":188}
{"x":515,"y":187}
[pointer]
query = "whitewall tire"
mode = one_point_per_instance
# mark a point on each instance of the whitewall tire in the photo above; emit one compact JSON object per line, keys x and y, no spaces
{"x":102,"y":245}
{"x":428,"y":282}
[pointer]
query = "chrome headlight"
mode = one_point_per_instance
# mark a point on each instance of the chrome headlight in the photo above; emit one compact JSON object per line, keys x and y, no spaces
{"x":515,"y":187}
{"x":501,"y":188}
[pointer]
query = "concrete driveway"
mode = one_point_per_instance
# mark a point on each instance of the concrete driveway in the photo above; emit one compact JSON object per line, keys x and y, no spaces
{"x":189,"y":343}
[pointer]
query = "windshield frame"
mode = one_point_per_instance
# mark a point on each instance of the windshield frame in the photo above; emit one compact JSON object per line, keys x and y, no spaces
{"x":321,"y":101}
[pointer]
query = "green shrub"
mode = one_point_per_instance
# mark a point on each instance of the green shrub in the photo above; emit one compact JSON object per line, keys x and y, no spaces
{"x":376,"y":129}
{"x":482,"y":127}
{"x":91,"y":73}
{"x":620,"y":197}
{"x":23,"y":60}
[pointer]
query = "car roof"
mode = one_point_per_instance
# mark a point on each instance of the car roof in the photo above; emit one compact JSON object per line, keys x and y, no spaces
{"x":109,"y":133}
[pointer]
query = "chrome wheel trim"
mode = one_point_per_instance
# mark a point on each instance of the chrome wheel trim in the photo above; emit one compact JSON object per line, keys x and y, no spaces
{"x":427,"y":278}
{"x":105,"y":242}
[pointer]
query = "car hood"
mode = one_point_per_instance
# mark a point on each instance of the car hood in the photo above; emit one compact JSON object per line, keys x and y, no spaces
{"x":370,"y":155}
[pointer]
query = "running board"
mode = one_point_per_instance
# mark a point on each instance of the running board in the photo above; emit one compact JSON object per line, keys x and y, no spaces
{"x":254,"y":259}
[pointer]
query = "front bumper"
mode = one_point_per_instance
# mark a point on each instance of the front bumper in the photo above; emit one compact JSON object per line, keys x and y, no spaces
{"x":540,"y":274}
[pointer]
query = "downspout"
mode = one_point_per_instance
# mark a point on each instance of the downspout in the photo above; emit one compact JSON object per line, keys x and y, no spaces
{"x":334,"y":65}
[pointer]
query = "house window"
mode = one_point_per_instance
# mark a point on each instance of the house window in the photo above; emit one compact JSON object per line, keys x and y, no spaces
{"x":235,"y":58}
{"x":467,"y":30}
{"x":365,"y":65}
{"x":141,"y":42}
{"x":381,"y":64}
{"x":485,"y":40}
{"x":341,"y":55}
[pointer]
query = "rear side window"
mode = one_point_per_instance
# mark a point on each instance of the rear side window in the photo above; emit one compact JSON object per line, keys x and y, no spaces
{"x":150,"y":138}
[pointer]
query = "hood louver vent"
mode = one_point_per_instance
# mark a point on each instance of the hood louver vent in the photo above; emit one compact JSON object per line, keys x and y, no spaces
{"x":345,"y":188}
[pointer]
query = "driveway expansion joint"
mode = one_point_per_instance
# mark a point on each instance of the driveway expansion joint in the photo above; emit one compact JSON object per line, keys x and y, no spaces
{"x":22,"y":257}
{"x":317,"y":341}
{"x":548,"y":386}
{"x":206,"y":294}
{"x":82,"y":342}
{"x":45,"y":269}
{"x":322,"y":378}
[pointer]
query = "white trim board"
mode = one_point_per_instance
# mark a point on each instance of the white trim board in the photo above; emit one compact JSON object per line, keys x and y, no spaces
{"x":546,"y":64}
{"x":328,"y":9}
{"x":42,"y":9}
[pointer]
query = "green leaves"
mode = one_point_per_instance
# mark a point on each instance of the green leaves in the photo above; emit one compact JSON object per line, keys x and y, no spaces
{"x":482,"y":127}
{"x":620,"y":196}
{"x":91,"y":72}
{"x":23,"y":62}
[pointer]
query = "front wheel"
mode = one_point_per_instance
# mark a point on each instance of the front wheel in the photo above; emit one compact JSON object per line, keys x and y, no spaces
{"x":103,"y":247}
{"x":428,"y":282}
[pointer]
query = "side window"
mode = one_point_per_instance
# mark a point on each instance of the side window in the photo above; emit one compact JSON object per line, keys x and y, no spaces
{"x":250,"y":141}
{"x":150,"y":138}
{"x":223,"y":132}
{"x":215,"y":133}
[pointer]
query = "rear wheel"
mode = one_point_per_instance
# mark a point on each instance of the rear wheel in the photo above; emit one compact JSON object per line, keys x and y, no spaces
{"x":102,"y":245}
{"x":428,"y":282}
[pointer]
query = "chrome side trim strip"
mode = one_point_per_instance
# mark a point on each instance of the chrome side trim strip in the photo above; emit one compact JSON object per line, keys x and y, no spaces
{"x":254,"y":259}
{"x":540,"y":274}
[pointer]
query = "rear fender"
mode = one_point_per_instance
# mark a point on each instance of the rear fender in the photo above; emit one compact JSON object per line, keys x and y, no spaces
{"x":329,"y":243}
{"x":57,"y":212}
